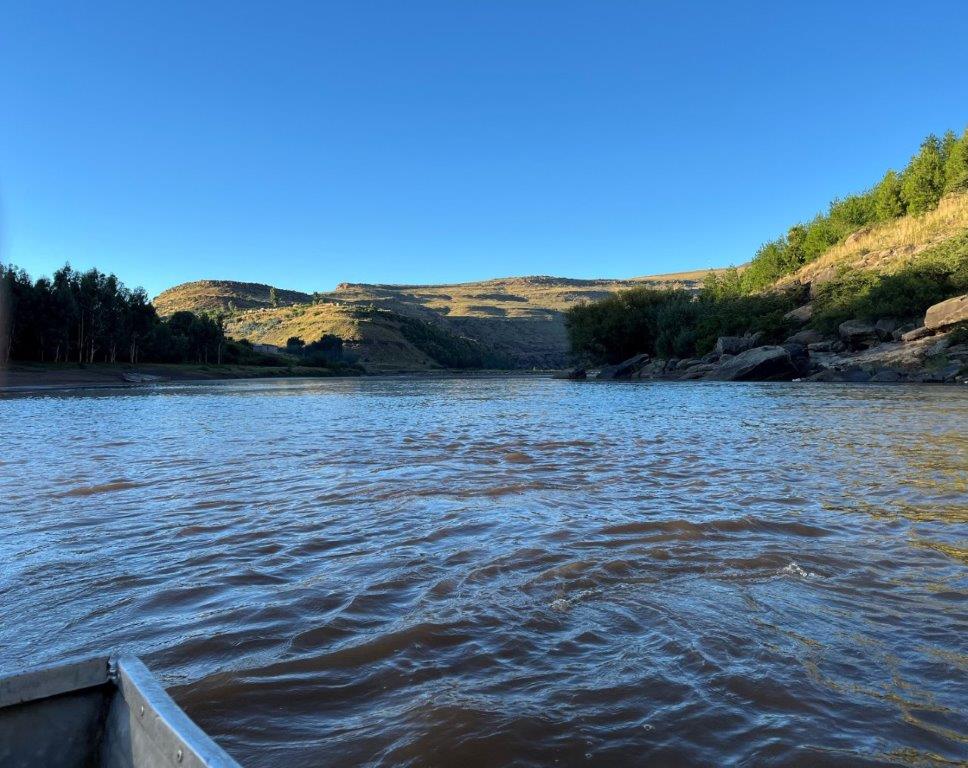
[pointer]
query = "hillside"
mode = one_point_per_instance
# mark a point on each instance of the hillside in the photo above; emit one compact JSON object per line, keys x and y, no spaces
{"x":223,"y":296}
{"x":517,"y":320}
{"x":888,"y":246}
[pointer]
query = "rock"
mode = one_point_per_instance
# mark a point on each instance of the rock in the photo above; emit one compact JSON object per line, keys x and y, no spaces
{"x":652,"y":370}
{"x":806,"y":336}
{"x":884,"y":328}
{"x":838,"y":347}
{"x":687,"y":363}
{"x":957,"y":352}
{"x":886,"y":375}
{"x":947,"y":313}
{"x":899,"y":332}
{"x":734,"y":345}
{"x":821,"y":347}
{"x":853,"y":375}
{"x":671,"y":364}
{"x":625,"y":369}
{"x":698,"y":371}
{"x":917,"y":333}
{"x":607,"y":372}
{"x":857,"y":334}
{"x":946,"y":373}
{"x":799,"y":356}
{"x":576,"y":374}
{"x":768,"y":363}
{"x":710,"y":357}
{"x":800,"y":314}
{"x":938,"y":347}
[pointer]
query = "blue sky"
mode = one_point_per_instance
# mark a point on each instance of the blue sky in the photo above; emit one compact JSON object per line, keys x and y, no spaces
{"x":303,"y":144}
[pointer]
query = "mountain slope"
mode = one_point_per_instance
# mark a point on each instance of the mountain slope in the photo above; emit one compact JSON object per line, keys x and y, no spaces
{"x":519,"y":319}
{"x":223,"y":296}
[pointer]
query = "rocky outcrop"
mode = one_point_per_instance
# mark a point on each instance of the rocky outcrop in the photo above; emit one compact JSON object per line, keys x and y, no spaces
{"x":626,"y":369}
{"x":758,"y":364}
{"x":857,"y":334}
{"x":947,"y":313}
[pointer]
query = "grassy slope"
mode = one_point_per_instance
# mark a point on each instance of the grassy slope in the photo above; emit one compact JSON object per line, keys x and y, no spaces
{"x":889,"y":246}
{"x":217,"y":295}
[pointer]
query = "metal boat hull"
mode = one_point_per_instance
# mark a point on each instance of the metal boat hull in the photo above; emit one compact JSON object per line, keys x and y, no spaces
{"x":106,"y":712}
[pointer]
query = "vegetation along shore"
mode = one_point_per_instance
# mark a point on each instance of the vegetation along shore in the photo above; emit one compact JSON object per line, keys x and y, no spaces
{"x":876,"y":289}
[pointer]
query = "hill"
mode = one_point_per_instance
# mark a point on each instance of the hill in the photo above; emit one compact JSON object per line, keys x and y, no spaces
{"x":510,"y":322}
{"x":223,"y":296}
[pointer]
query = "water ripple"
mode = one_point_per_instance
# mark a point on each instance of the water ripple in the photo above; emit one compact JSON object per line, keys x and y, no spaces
{"x":507,"y":571}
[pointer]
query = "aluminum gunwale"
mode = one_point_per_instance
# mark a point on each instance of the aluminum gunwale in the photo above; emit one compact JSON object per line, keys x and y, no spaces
{"x":163,"y":721}
{"x":149,"y":708}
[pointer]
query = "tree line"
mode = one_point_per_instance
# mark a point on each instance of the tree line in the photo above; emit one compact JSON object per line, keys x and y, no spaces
{"x":671,"y":323}
{"x":89,"y":317}
{"x":940,"y":166}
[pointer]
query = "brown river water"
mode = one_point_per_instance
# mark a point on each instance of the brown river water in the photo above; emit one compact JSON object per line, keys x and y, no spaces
{"x":507,"y":571}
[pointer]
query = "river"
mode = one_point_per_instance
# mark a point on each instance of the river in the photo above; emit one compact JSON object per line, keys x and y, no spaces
{"x":507,"y":571}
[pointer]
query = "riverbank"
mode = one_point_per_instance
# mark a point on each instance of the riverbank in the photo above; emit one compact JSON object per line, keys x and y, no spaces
{"x":29,"y":377}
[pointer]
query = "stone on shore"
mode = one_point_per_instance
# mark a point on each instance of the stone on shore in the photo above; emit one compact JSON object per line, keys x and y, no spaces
{"x":806,"y":337}
{"x":857,"y":334}
{"x":768,"y":363}
{"x":947,"y":313}
{"x":885,"y":327}
{"x":576,"y":374}
{"x":626,"y":369}
{"x":917,"y":333}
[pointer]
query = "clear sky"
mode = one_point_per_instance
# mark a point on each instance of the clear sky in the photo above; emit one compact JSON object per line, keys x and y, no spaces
{"x":304,"y":144}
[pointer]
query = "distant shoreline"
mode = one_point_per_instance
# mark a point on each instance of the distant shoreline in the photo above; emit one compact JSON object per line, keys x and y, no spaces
{"x":25,"y":378}
{"x":42,"y":377}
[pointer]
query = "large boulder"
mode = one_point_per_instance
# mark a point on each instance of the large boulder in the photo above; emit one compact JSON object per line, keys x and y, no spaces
{"x":857,"y":334}
{"x":626,"y":369}
{"x":947,"y":313}
{"x":758,"y":364}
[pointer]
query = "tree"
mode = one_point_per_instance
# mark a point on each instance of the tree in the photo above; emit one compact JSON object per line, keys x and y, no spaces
{"x":273,"y":297}
{"x":956,"y":164}
{"x":923,"y":181}
{"x":888,"y":200}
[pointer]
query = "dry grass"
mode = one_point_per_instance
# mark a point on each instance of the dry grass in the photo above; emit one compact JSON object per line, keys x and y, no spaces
{"x":890,"y":245}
